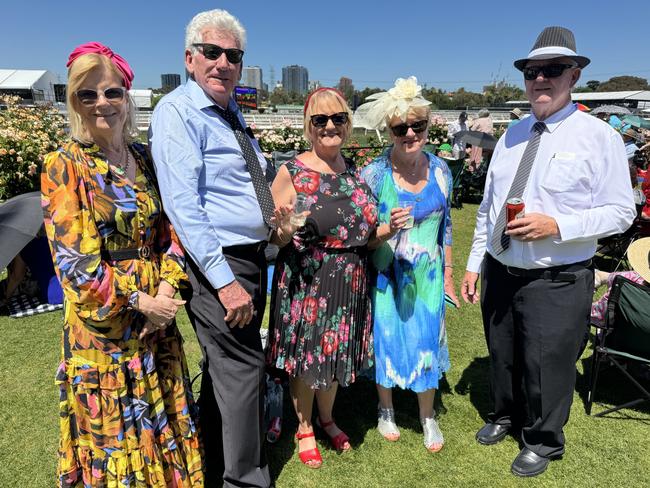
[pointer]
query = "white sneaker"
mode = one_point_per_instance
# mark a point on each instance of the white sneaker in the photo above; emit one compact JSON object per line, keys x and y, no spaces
{"x":386,"y":424}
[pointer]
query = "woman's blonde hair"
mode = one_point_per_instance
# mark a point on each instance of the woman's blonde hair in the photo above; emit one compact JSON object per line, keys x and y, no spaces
{"x":77,"y":74}
{"x":420,"y":112}
{"x":323,"y":97}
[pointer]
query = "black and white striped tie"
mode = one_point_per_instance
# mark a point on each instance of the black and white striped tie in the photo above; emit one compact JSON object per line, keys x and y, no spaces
{"x":262,"y":191}
{"x":500,"y":241}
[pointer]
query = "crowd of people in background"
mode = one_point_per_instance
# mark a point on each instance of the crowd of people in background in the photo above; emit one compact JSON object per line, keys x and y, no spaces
{"x":362,"y":278}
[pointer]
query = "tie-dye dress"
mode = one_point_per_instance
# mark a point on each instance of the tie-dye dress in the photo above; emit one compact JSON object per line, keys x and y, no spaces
{"x":408,"y":296}
{"x":126,"y":411}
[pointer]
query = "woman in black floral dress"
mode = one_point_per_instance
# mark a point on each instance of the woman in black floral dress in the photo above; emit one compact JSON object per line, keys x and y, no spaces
{"x":320,"y":327}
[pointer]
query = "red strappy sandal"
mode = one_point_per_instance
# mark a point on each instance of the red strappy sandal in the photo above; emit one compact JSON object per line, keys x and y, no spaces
{"x":311,"y":457}
{"x":339,"y":440}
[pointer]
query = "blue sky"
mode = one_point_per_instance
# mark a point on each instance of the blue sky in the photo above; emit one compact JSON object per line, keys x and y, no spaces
{"x":445,"y":44}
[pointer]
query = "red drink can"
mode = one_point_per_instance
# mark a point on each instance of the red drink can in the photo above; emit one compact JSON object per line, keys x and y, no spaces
{"x":514,"y":208}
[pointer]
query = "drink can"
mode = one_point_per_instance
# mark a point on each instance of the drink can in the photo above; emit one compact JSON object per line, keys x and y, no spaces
{"x":514,"y":208}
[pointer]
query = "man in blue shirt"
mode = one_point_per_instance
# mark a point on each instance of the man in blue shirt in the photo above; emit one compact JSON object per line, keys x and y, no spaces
{"x":209,"y":195}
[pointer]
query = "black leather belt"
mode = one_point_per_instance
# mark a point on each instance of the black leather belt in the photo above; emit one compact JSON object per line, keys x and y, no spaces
{"x":143,"y":252}
{"x":563,"y":272}
{"x":244,"y":249}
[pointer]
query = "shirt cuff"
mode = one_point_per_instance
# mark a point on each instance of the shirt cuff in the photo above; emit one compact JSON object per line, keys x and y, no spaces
{"x":220,"y":275}
{"x":474,"y":264}
{"x":570,"y":227}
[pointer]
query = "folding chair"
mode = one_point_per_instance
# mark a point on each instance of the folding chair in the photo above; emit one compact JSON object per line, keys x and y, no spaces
{"x":624,"y":337}
{"x":456,"y":167}
{"x":610,"y":252}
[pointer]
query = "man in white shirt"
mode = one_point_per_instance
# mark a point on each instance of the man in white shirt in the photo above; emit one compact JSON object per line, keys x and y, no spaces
{"x":458,"y":148}
{"x":537,"y":279}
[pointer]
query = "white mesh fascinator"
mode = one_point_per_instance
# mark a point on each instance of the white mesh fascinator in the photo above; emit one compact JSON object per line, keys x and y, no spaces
{"x":396,"y":102}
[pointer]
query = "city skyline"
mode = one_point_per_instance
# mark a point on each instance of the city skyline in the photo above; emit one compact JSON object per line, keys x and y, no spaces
{"x":471,"y":51}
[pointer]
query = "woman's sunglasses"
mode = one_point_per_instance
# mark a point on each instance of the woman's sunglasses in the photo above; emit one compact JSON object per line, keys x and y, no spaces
{"x":320,"y":120}
{"x":214,"y":52}
{"x":90,"y":97}
{"x":548,"y":70}
{"x":401,"y":129}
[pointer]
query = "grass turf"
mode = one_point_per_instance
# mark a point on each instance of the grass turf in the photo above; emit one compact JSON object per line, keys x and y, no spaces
{"x":610,"y":451}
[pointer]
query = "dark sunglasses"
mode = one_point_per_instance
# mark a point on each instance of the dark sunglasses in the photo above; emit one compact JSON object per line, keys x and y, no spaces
{"x":320,"y":120}
{"x":214,"y":52}
{"x":401,"y":129}
{"x":112,"y":95}
{"x":549,"y":71}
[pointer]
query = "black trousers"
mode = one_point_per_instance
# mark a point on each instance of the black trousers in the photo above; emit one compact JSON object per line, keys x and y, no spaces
{"x":535,"y":329}
{"x":231,"y":407}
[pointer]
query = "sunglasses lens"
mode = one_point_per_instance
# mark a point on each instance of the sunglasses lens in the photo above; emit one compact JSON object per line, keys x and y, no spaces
{"x":554,"y":70}
{"x":400,"y":130}
{"x":114,"y":94}
{"x":419,"y":126}
{"x":234,"y":55}
{"x":87,"y":97}
{"x":319,"y":120}
{"x":212,"y":51}
{"x":530,"y":73}
{"x":339,"y":119}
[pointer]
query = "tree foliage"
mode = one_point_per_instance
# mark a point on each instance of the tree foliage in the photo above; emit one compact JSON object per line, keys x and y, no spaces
{"x":624,"y":83}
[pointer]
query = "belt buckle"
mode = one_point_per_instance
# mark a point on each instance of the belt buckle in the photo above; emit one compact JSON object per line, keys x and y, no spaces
{"x":144,"y":252}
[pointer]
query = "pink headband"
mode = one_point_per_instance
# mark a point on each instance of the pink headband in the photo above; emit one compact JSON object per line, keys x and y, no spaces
{"x":96,"y":48}
{"x":304,"y":111}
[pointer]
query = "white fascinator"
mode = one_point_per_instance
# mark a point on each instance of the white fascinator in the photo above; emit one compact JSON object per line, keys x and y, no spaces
{"x":396,"y":102}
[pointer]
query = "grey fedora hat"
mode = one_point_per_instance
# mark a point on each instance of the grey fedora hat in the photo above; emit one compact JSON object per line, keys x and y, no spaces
{"x":554,"y":42}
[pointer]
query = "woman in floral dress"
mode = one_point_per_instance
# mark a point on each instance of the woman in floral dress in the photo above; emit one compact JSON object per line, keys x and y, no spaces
{"x":320,"y":327}
{"x":414,"y":268}
{"x":125,"y":408}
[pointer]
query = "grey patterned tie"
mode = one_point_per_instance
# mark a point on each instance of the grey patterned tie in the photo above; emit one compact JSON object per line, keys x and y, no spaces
{"x":500,"y":241}
{"x":262,"y":191}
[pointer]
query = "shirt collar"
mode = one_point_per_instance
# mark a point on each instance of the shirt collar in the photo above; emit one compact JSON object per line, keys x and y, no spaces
{"x":201,"y":100}
{"x":556,"y":119}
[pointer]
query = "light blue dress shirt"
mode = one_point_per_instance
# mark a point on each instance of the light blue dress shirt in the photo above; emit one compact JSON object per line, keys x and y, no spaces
{"x":206,"y":189}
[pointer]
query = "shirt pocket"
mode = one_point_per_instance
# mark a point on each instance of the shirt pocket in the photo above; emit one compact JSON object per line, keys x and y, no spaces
{"x":565,"y":175}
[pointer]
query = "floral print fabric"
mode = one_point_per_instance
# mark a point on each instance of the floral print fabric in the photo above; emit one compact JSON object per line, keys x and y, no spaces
{"x":320,"y":324}
{"x":126,"y":410}
{"x":408,"y":296}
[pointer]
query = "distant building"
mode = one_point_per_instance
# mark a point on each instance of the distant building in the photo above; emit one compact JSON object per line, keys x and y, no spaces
{"x":252,"y":76}
{"x":32,"y":85}
{"x":345,"y":84}
{"x":313,"y":85}
{"x":295,"y":79}
{"x":170,"y":81}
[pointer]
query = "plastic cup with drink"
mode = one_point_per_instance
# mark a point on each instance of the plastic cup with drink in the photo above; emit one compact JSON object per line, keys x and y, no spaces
{"x":300,"y":208}
{"x":408,"y":203}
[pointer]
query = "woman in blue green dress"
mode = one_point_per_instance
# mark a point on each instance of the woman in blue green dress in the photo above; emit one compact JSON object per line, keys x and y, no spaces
{"x":413,"y":259}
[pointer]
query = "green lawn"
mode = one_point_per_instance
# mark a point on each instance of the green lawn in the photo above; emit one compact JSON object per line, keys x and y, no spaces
{"x":600,"y":452}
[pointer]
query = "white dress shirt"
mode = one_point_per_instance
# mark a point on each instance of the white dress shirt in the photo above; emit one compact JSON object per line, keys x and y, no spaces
{"x":580,"y":178}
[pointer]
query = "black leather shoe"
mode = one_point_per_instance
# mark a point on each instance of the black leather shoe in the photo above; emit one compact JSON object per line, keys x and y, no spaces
{"x":527,"y":463}
{"x":491,"y":433}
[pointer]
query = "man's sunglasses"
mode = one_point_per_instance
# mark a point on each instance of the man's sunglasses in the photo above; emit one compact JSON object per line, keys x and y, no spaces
{"x":401,"y":129}
{"x":112,"y":95}
{"x":320,"y":120}
{"x":214,"y":52}
{"x":548,"y":70}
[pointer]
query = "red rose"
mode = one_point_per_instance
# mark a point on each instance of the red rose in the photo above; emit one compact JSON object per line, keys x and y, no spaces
{"x":310,"y":309}
{"x":358,"y":276}
{"x":329,"y":341}
{"x":306,"y":182}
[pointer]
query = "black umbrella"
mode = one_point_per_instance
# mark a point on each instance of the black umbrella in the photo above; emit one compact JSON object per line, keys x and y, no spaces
{"x":20,"y":219}
{"x":477,"y":138}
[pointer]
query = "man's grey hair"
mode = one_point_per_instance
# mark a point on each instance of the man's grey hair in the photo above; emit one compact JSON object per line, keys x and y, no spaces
{"x":215,"y":19}
{"x":483,"y":113}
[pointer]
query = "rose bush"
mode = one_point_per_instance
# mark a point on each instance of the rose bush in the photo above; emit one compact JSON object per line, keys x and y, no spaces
{"x":281,"y":138}
{"x":27,"y":134}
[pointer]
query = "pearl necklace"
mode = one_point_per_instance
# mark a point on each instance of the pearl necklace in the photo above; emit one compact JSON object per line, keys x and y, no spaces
{"x":400,"y":169}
